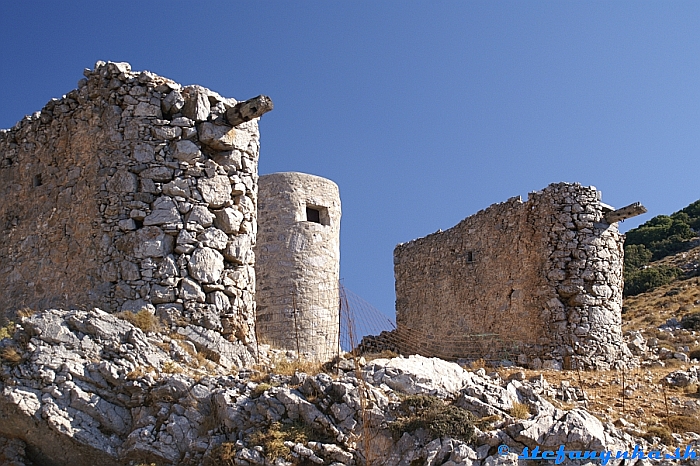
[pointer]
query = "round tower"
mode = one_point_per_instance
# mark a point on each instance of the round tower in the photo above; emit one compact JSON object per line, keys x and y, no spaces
{"x":298,"y":264}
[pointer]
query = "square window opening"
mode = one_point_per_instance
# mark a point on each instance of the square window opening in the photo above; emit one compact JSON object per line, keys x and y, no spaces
{"x":313,"y":215}
{"x":317,"y":214}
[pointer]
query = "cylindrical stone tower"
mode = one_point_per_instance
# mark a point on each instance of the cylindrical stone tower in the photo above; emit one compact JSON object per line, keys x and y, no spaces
{"x":298,"y":264}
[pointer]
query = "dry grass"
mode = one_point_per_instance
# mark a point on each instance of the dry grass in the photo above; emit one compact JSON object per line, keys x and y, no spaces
{"x":520,"y":411}
{"x":139,"y":372}
{"x":26,"y":312}
{"x":681,"y":424}
{"x":385,"y":354}
{"x":477,"y":364}
{"x":272,"y":440}
{"x":284,"y":366}
{"x":663,"y":433}
{"x":171,"y":367}
{"x":222,"y":454}
{"x":11,"y":356}
{"x":143,"y":320}
{"x":260,"y":389}
{"x":646,"y":404}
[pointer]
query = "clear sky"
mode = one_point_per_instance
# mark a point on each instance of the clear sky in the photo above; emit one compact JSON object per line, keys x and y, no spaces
{"x":422,"y":112}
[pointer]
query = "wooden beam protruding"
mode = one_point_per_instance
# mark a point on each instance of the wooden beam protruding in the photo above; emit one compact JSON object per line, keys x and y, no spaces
{"x":249,"y":109}
{"x":629,"y":211}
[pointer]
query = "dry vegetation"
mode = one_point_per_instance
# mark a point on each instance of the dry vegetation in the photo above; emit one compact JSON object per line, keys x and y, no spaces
{"x":143,"y":320}
{"x":636,"y":396}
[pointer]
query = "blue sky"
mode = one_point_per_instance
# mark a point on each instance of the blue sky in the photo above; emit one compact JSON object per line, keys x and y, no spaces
{"x":422,"y":112}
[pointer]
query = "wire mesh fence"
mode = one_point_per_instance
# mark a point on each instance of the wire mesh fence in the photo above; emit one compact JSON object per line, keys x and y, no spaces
{"x":321,"y":320}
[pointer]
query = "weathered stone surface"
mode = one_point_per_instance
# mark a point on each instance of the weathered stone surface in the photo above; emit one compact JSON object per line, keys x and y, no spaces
{"x":123,"y":182}
{"x":201,"y":215}
{"x":216,"y":191}
{"x":548,"y":270}
{"x":216,"y":347}
{"x":197,"y":106}
{"x":297,"y":255}
{"x":238,"y":250}
{"x":213,"y":238}
{"x":191,"y":291}
{"x":246,"y":111}
{"x":186,"y":151}
{"x":228,"y":220}
{"x":219,"y":137}
{"x":164,"y":211}
{"x":149,"y":241}
{"x":105,"y":185}
{"x":206,"y":265}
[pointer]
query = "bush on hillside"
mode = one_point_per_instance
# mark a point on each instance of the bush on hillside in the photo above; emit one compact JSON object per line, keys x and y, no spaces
{"x":691,"y":321}
{"x":639,"y":281}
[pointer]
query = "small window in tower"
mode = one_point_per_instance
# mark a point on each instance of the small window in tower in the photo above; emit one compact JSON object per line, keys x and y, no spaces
{"x":313,"y":215}
{"x":37,"y":180}
{"x":469,"y":256}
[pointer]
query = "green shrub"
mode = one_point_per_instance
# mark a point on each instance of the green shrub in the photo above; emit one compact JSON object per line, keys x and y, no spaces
{"x":691,"y":322}
{"x":659,"y":237}
{"x":636,"y":256}
{"x":430,"y":413}
{"x":643,"y":280}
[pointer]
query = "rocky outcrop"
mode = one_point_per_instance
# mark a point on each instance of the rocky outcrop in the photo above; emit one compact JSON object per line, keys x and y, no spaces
{"x":85,"y":387}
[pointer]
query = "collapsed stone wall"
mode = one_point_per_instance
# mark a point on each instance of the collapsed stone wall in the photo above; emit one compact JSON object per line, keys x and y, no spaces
{"x":298,"y":264}
{"x":539,"y":280}
{"x":133,"y":192}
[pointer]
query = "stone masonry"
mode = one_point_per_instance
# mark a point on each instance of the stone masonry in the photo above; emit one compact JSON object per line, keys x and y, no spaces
{"x":540,"y":280}
{"x":298,"y":264}
{"x":133,"y":192}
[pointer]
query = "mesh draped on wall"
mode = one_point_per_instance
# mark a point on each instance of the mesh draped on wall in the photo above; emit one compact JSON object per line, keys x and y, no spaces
{"x":334,"y":319}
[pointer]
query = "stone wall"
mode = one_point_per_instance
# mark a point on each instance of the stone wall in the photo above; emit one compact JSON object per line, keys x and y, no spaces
{"x":298,"y":263}
{"x":539,"y":280}
{"x":133,"y":192}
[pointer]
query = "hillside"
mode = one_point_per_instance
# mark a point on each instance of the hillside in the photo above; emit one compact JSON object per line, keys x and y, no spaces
{"x":649,"y":244}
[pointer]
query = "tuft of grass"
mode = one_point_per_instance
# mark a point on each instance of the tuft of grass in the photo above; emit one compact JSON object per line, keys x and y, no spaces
{"x":11,"y":356}
{"x":258,"y":377}
{"x":143,"y":320}
{"x":171,"y":367}
{"x":272,"y":440}
{"x":694,"y":353}
{"x":139,"y":372}
{"x":431,"y":413}
{"x":662,"y":432}
{"x":477,"y":364}
{"x":520,"y":410}
{"x":26,"y":312}
{"x":260,"y":389}
{"x":222,"y":454}
{"x":7,"y":331}
{"x":384,"y":354}
{"x":485,"y":423}
{"x":683,"y":424}
{"x":283,"y":366}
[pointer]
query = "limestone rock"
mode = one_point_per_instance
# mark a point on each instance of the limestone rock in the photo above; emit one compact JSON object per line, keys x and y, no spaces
{"x":186,"y":151}
{"x":228,"y":220}
{"x":206,"y":265}
{"x":197,"y":106}
{"x":216,"y":191}
{"x":218,"y":137}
